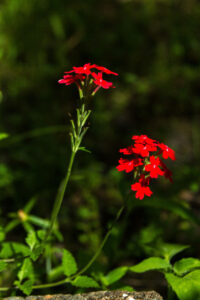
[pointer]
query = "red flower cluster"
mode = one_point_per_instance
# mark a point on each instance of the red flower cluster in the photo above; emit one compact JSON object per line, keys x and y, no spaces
{"x":145,"y":163}
{"x":85,"y":77}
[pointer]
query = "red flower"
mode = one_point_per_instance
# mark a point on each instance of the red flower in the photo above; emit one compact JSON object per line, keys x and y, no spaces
{"x":144,"y":150}
{"x":87,"y":85}
{"x":167,"y":152}
{"x":141,"y":190}
{"x":83,"y":70}
{"x":128,"y":165}
{"x":143,"y":139}
{"x":104,"y":70}
{"x":100,"y":82}
{"x":153,"y":167}
{"x":69,"y":79}
{"x":127,"y":151}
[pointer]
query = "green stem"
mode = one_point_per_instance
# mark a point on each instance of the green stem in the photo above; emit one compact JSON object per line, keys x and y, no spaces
{"x":60,"y":196}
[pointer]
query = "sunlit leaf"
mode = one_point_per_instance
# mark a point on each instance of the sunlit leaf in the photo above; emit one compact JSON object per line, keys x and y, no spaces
{"x":152,"y":263}
{"x":68,"y":263}
{"x":187,"y":287}
{"x":114,"y":275}
{"x":186,"y":265}
{"x":85,"y":282}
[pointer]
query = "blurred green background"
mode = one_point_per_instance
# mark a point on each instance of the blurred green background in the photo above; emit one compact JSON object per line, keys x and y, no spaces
{"x":154,"y":45}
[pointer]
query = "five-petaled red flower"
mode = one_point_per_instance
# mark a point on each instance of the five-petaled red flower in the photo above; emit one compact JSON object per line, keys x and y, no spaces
{"x":153,"y":167}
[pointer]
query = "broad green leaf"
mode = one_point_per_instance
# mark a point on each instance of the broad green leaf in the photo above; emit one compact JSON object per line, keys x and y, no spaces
{"x":85,"y":282}
{"x":187,"y":287}
{"x":186,"y":265}
{"x":68,"y":263}
{"x":152,"y":263}
{"x":13,"y":249}
{"x":3,"y":135}
{"x":3,"y":265}
{"x":26,"y":270}
{"x":26,"y":287}
{"x":31,"y":239}
{"x":114,"y":275}
{"x":170,"y":250}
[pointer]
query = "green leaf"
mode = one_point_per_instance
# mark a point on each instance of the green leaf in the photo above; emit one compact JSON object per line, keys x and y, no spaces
{"x":3,"y":135}
{"x":114,"y":275}
{"x":36,"y":252}
{"x":85,"y":282}
{"x":186,"y":265}
{"x":31,"y":239}
{"x":84,"y":149}
{"x":170,"y":250}
{"x":68,"y":263}
{"x":2,"y":234}
{"x":12,"y":249}
{"x":26,"y":287}
{"x":187,"y":287}
{"x":152,"y":263}
{"x":26,"y":270}
{"x":3,"y":265}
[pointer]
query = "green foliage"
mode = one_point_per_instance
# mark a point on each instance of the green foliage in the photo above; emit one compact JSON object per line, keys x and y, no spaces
{"x":151,"y":263}
{"x":186,"y":287}
{"x":168,"y":251}
{"x":186,"y":265}
{"x":3,"y":265}
{"x":31,"y":239}
{"x":68,"y":263}
{"x":114,"y":275}
{"x":26,"y":287}
{"x":10,"y":249}
{"x":26,"y":270}
{"x":85,"y":282}
{"x":2,"y":234}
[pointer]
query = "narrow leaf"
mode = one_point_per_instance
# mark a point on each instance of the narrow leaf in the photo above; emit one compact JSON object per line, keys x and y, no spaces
{"x":68,"y":263}
{"x":84,"y":149}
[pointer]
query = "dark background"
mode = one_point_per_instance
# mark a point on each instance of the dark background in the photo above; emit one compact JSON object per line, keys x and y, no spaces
{"x":154,"y":45}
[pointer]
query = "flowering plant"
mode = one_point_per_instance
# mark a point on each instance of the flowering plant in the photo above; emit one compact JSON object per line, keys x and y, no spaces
{"x":144,"y":159}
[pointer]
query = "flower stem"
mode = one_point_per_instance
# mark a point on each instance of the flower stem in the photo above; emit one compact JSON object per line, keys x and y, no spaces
{"x":60,"y":196}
